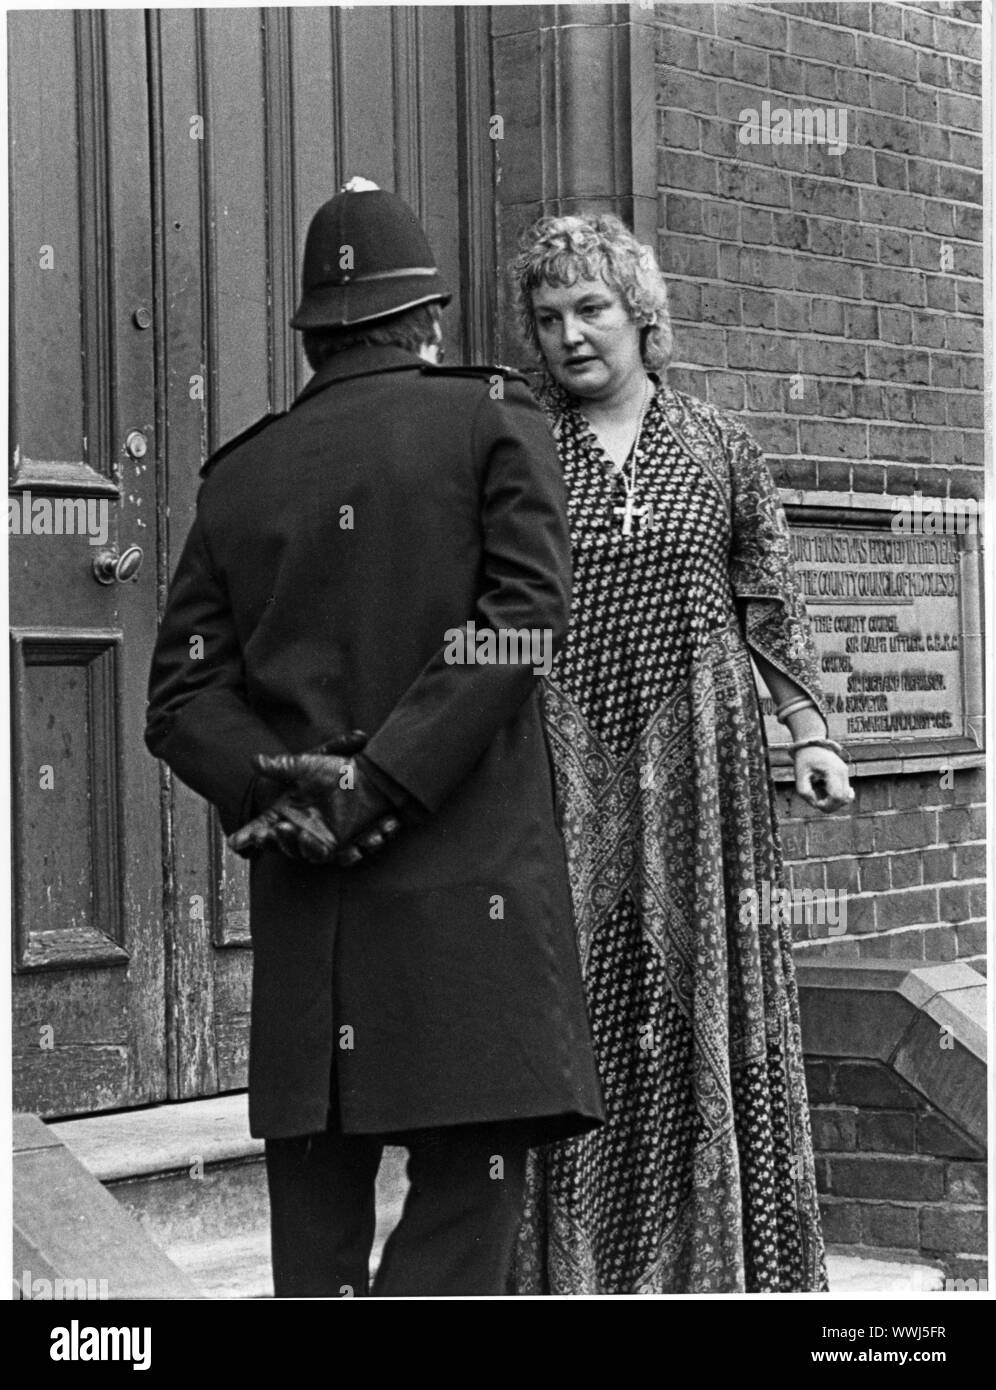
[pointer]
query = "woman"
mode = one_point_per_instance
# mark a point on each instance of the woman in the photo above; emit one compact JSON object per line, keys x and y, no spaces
{"x":702,"y":1181}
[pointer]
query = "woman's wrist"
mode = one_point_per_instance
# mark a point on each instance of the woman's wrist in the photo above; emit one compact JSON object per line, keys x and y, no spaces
{"x":806,"y":723}
{"x":829,"y":745}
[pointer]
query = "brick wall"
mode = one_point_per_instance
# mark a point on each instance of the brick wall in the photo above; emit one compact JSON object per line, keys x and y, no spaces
{"x":893,"y":1173}
{"x":911,"y":859}
{"x":861,"y":271}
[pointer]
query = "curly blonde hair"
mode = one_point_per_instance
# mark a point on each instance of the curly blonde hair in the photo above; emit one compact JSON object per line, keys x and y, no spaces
{"x":563,"y":250}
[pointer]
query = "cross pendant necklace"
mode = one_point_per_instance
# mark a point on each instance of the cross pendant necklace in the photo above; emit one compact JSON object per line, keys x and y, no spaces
{"x":630,"y":511}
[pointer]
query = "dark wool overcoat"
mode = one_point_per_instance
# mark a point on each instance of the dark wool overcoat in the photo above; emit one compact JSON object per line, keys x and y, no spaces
{"x":333,"y":550}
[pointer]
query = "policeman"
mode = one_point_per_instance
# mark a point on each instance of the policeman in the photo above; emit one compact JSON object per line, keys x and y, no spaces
{"x":419,"y":987}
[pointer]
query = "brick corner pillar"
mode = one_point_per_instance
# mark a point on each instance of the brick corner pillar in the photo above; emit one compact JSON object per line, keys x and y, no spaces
{"x":574,"y":86}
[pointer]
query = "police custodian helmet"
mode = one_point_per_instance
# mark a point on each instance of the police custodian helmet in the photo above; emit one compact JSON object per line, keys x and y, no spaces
{"x":366,"y":256}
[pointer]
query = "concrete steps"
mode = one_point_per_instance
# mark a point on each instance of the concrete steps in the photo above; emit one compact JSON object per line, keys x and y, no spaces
{"x":195,"y":1182}
{"x":238,"y":1266}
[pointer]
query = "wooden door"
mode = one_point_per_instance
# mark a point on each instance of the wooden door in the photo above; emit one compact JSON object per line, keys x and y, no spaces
{"x":259,"y":116}
{"x":88,"y":998}
{"x":164,"y":167}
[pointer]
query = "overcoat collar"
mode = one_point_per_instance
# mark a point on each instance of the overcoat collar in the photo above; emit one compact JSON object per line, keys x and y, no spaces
{"x":366,"y":359}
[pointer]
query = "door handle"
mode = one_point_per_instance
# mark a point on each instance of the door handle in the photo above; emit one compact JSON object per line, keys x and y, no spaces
{"x":111,"y":568}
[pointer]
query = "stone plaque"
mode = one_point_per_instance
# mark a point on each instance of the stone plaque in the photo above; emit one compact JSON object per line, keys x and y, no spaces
{"x":896,"y":621}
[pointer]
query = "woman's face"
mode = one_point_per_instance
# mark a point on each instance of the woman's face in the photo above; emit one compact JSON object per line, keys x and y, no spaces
{"x":588,"y":339}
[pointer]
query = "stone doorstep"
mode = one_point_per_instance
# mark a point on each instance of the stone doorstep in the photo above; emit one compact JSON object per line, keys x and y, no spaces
{"x":141,"y":1152}
{"x":162,"y":1138}
{"x":184,"y":1207}
{"x":146,"y":1159}
{"x":214,"y":1227}
{"x":165,"y":1142}
{"x":239,"y":1266}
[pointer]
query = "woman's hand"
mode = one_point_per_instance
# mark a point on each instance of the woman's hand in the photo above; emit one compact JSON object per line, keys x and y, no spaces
{"x":821,"y":779}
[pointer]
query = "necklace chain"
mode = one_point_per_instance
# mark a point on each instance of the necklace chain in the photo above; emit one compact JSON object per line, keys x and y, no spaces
{"x":629,"y":510}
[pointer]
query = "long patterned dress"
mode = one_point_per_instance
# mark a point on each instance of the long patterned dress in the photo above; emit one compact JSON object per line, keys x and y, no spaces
{"x":702,"y":1180}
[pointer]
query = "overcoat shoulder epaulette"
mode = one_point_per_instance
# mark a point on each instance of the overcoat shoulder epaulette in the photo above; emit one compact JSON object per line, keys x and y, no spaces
{"x":246,"y":434}
{"x":483,"y":370}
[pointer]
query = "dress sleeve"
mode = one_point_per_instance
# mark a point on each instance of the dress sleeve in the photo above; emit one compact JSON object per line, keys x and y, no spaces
{"x":772,"y":610}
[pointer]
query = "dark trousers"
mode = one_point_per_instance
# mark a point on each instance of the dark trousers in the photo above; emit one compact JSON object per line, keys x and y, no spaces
{"x":456,"y":1232}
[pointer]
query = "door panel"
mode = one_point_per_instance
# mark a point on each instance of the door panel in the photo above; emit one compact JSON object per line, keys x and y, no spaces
{"x":88,"y":994}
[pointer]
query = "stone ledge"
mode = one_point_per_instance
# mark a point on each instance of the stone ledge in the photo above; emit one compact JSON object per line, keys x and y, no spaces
{"x":896,"y":1013}
{"x":161,"y":1138}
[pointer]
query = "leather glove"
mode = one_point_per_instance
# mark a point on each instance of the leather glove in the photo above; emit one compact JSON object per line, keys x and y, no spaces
{"x":296,"y":821}
{"x":347,"y":799}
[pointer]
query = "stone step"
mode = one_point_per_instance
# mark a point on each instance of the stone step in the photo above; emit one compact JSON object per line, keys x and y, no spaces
{"x":218,"y":1231}
{"x":195,"y":1181}
{"x":239,"y":1266}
